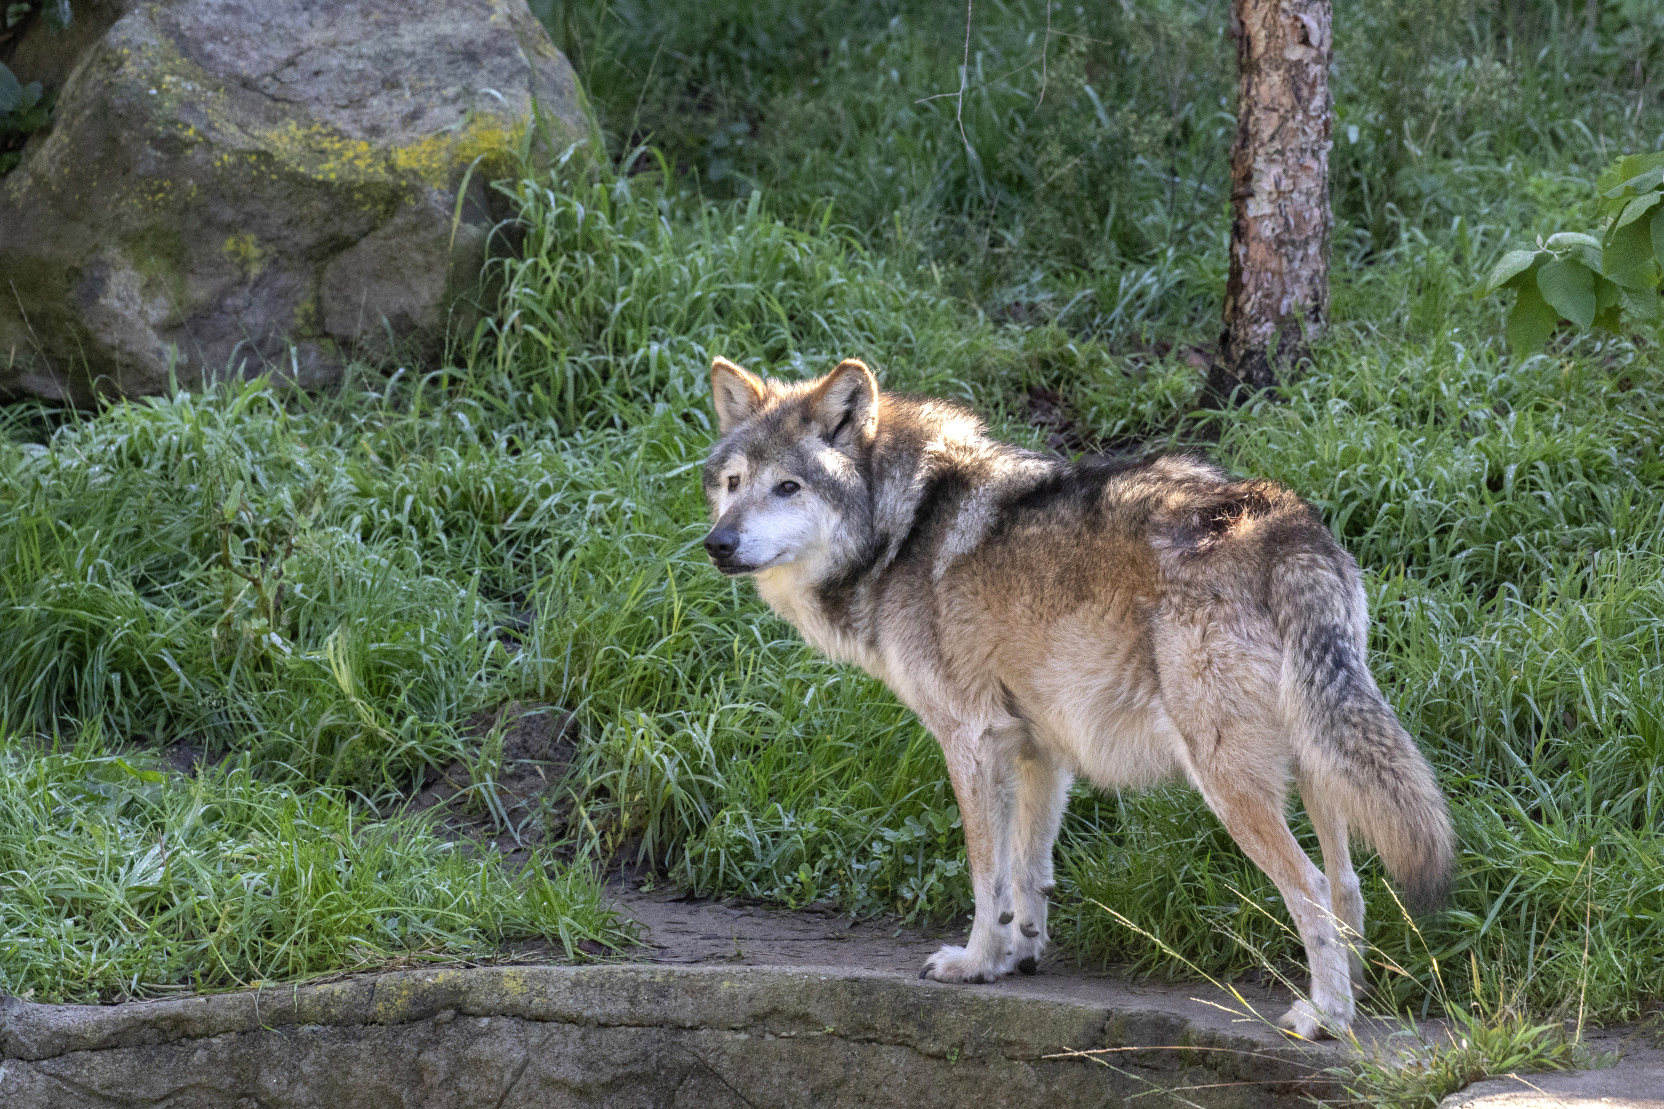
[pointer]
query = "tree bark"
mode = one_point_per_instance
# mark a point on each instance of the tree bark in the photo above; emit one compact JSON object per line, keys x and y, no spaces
{"x":1277,"y":298}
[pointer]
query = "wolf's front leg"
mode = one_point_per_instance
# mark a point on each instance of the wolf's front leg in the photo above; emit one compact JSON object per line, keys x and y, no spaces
{"x":979,"y":769}
{"x":1042,"y":791}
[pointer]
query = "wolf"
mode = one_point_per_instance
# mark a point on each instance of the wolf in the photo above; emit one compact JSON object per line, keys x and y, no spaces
{"x":1127,"y":622}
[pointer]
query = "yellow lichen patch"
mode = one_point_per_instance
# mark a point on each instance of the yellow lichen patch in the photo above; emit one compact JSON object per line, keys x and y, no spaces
{"x":323,"y":153}
{"x":436,"y":157}
{"x":396,"y":994}
{"x":513,"y":983}
{"x":195,"y":106}
{"x":244,"y":250}
{"x":392,"y":1000}
{"x":148,"y":194}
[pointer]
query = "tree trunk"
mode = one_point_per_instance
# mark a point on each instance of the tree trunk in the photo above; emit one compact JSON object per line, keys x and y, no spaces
{"x":1277,"y":298}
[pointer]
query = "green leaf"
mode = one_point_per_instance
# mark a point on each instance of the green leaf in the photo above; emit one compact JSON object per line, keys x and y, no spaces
{"x":1564,"y":240}
{"x":11,"y":92}
{"x":1637,"y":208}
{"x":1609,"y":305}
{"x":1648,"y":179}
{"x":1509,"y":268}
{"x":233,"y":502}
{"x":1658,"y":235}
{"x":1531,"y":321}
{"x":1625,"y":170}
{"x":1642,"y":304}
{"x":1569,"y":287}
{"x":1628,"y":256}
{"x":1607,"y":293}
{"x":1586,"y":248}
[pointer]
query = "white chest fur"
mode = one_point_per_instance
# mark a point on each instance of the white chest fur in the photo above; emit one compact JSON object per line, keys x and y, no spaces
{"x":789,"y":592}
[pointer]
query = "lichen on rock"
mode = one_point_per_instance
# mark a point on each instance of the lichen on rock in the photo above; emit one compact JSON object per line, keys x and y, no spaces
{"x":235,"y":189}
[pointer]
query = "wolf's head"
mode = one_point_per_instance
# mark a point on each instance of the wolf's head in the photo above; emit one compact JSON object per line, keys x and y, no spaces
{"x":785,"y":480}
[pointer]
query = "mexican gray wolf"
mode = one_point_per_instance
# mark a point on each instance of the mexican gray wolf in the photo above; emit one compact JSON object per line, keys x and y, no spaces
{"x":1125,"y":621}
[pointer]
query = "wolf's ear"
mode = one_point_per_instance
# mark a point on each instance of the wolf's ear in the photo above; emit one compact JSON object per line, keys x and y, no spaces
{"x":844,"y":404}
{"x":737,"y":394}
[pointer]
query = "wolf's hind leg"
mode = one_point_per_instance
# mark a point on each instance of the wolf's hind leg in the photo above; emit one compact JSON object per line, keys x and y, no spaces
{"x":1042,"y":791}
{"x":1347,"y":899}
{"x":1252,"y":812}
{"x":1219,"y":679}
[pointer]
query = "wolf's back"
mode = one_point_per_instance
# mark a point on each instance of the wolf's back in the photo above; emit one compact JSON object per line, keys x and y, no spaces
{"x":1351,"y":748}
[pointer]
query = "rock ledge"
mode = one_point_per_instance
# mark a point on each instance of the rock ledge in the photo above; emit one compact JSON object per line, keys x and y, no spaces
{"x":631,"y":1035}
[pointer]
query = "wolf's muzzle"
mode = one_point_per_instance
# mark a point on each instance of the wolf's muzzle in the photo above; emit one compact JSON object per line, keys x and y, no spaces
{"x":721,"y":544}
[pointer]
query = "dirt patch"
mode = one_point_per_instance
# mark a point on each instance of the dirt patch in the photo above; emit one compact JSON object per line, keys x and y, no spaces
{"x":677,"y":928}
{"x":1023,"y":313}
{"x":186,"y":759}
{"x":189,"y":759}
{"x":505,"y":793}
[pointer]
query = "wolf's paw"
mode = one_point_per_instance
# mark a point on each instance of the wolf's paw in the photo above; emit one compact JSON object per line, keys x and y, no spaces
{"x":1305,"y":1022}
{"x":955,"y":964}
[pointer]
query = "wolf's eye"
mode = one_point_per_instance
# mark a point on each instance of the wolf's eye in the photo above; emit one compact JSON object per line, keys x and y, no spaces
{"x":733,"y":482}
{"x":786,"y":488}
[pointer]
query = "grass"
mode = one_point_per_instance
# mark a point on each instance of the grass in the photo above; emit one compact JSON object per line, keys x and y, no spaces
{"x":1492,"y":1035}
{"x":1413,"y":1070}
{"x":328,"y":588}
{"x":121,"y":880}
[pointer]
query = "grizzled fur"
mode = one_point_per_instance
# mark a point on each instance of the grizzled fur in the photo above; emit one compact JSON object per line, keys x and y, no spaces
{"x":1128,"y":622}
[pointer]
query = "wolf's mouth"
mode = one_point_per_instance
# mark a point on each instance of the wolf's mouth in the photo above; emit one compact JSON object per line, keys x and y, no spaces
{"x":734,"y":569}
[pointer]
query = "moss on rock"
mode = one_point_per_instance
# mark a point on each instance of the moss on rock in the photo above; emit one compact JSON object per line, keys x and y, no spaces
{"x":224,"y":194}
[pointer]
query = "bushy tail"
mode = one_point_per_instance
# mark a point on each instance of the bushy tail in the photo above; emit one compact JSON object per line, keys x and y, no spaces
{"x":1351,"y":748}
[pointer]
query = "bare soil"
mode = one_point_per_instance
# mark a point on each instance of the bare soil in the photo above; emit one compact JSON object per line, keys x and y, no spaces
{"x":505,"y":794}
{"x":680,"y":929}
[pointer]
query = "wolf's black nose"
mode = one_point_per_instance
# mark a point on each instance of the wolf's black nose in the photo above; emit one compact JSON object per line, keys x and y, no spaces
{"x":722,"y":543}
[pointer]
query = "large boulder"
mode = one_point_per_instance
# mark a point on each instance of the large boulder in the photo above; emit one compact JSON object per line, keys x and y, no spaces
{"x":231,"y":188}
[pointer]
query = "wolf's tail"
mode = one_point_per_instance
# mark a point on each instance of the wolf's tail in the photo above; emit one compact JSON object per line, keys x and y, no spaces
{"x":1351,"y":748}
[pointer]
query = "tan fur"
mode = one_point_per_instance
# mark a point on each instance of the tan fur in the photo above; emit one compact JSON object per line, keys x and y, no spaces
{"x":1128,"y":623}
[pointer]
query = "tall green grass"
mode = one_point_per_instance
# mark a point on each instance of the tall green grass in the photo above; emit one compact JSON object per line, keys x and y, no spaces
{"x":118,"y":880}
{"x":209,"y":569}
